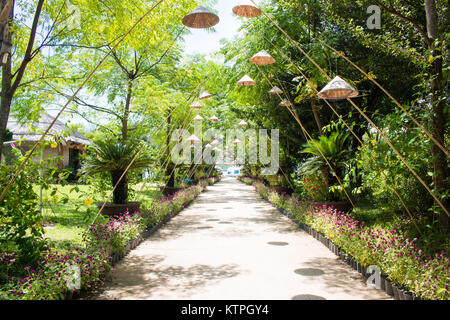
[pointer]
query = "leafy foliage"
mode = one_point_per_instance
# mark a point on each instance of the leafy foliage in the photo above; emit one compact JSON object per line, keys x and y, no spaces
{"x":20,"y":221}
{"x":332,"y":147}
{"x":112,"y":155}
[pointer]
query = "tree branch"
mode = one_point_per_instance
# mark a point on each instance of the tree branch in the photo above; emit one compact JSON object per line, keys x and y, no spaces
{"x":80,"y":102}
{"x":116,"y":58}
{"x":91,"y":122}
{"x":27,"y":57}
{"x":160,"y":58}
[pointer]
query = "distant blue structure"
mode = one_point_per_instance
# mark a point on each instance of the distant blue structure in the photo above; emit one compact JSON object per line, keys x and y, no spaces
{"x":233,"y":171}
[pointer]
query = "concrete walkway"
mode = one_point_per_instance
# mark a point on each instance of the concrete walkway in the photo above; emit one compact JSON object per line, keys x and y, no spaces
{"x":230,"y":245}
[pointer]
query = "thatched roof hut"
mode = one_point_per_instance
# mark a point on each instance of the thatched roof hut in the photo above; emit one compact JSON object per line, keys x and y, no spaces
{"x":69,"y":143}
{"x":34,"y":132}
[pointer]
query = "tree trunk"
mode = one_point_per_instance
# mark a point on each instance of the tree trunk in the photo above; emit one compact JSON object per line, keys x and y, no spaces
{"x":6,"y":99}
{"x":440,"y":162}
{"x":170,"y":171}
{"x":5,"y":104}
{"x":9,"y":88}
{"x":316,"y":115}
{"x":126,"y":114}
{"x":121,"y":193}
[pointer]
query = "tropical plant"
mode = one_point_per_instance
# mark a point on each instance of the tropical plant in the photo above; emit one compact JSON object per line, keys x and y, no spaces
{"x":333,"y":148}
{"x":377,"y":157}
{"x":114,"y":157}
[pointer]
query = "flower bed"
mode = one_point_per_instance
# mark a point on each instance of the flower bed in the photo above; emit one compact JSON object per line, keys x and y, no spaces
{"x":212,"y":180}
{"x":170,"y":204}
{"x":104,"y":244}
{"x":246,"y":180}
{"x":404,"y":265}
{"x":92,"y":262}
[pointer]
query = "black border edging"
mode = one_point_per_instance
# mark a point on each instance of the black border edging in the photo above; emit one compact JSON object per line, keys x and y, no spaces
{"x":387,"y":286}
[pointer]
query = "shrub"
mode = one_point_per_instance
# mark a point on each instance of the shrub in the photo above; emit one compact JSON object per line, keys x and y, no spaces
{"x":20,"y":220}
{"x":261,"y":189}
{"x":169,"y":204}
{"x":378,"y":156}
{"x":277,"y":199}
{"x":50,"y":279}
{"x":246,"y":180}
{"x":116,"y":233}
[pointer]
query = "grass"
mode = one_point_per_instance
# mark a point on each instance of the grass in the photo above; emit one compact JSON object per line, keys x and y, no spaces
{"x":62,"y":237}
{"x":369,"y":212}
{"x":66,"y":215}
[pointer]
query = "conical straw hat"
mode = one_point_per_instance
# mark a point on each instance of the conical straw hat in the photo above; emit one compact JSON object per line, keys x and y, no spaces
{"x":246,"y":81}
{"x":285,"y":103}
{"x":246,"y":9}
{"x":196,"y":105}
{"x":200,"y":18}
{"x":262,"y":58}
{"x":338,"y":89}
{"x":193,"y":139}
{"x":275,"y":91}
{"x":205,"y":95}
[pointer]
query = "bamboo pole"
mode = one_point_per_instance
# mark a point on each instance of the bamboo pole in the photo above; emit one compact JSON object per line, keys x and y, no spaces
{"x":354,"y":134}
{"x":362,"y":113}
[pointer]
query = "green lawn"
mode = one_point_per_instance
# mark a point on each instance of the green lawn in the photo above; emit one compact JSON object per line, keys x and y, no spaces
{"x":66,"y":214}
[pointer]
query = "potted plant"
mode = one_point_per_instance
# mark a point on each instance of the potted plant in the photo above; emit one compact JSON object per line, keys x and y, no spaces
{"x":114,"y":157}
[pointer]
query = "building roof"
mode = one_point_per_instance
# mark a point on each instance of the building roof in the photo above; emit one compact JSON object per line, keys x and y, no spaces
{"x":34,"y":133}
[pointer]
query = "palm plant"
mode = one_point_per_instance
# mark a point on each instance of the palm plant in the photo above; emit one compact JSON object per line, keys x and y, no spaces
{"x":333,"y":148}
{"x":114,"y":157}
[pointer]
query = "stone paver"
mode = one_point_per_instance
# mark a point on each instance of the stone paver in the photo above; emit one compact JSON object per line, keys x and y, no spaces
{"x":231,"y":245}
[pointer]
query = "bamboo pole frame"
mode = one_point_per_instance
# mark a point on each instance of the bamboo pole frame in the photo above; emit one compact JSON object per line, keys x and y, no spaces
{"x":402,"y":159}
{"x":354,"y":134}
{"x":297,"y":118}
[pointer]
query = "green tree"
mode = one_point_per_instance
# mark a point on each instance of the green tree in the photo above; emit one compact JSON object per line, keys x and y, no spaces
{"x":417,"y":36}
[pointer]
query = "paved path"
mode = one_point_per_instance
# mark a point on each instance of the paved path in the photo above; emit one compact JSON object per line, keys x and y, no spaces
{"x":220,"y":248}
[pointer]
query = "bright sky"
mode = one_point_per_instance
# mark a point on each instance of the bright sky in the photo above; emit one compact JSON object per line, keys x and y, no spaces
{"x":204,"y":42}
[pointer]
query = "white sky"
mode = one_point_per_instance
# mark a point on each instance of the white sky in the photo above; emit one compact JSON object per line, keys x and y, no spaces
{"x":204,"y":42}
